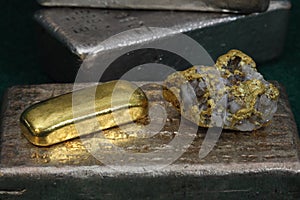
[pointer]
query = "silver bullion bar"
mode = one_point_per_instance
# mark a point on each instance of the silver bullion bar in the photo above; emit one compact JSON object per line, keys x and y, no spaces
{"x":264,"y":163}
{"x":239,"y":6}
{"x":68,"y":35}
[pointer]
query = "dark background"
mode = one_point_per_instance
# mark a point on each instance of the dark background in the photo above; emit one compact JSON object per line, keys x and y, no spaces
{"x":19,"y":63}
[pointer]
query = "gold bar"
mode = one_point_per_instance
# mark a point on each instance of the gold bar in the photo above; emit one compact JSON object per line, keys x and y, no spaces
{"x":52,"y":121}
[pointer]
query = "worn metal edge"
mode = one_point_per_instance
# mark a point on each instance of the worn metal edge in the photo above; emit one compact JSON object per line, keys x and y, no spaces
{"x":257,"y":6}
{"x":296,"y":139}
{"x":184,"y":170}
{"x":3,"y":107}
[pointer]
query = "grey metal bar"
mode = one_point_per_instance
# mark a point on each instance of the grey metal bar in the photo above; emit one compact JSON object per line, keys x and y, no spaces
{"x":263,"y":164}
{"x":241,"y":6}
{"x":68,"y":35}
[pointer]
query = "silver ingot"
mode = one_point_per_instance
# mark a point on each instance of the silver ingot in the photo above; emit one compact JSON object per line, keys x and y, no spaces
{"x":262,"y":163}
{"x":69,"y":35}
{"x":195,"y":5}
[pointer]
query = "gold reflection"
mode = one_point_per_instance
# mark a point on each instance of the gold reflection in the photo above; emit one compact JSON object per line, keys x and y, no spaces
{"x":51,"y":121}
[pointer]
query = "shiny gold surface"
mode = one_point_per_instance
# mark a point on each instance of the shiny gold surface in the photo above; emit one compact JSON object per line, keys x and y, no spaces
{"x":243,"y":85}
{"x":230,"y":56}
{"x":173,"y":93}
{"x":246,"y":92}
{"x":52,"y":121}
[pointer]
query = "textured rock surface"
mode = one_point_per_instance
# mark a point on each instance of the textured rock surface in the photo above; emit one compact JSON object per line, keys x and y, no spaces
{"x":231,"y":94}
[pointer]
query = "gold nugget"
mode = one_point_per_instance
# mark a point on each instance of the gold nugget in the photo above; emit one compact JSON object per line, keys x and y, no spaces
{"x":52,"y":121}
{"x":231,"y":94}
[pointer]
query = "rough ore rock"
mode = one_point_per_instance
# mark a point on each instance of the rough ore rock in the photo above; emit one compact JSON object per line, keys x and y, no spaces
{"x":231,"y":94}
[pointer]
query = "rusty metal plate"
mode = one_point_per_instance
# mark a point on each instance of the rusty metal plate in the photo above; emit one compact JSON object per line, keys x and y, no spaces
{"x":259,"y":164}
{"x":68,"y":35}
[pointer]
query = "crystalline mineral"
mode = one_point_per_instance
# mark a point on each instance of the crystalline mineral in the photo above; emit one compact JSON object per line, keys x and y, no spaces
{"x":231,"y":94}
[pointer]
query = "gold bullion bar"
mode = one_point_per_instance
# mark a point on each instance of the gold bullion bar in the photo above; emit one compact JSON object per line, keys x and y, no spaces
{"x":52,"y":121}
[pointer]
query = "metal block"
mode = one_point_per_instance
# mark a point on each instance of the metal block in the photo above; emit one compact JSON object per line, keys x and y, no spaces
{"x":203,"y":5}
{"x":263,"y":164}
{"x":69,"y":35}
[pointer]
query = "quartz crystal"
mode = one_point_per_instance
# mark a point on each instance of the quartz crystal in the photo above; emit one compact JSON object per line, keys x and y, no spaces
{"x":231,"y":94}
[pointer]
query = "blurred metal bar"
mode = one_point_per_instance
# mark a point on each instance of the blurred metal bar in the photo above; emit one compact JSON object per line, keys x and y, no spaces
{"x":240,"y":6}
{"x":68,"y":35}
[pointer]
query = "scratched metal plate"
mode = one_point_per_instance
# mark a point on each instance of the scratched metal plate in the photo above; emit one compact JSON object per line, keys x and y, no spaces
{"x":203,"y":5}
{"x":262,"y":164}
{"x":67,"y":35}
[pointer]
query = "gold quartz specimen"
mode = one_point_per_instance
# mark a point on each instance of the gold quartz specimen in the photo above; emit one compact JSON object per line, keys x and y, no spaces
{"x":231,"y":94}
{"x":52,"y":121}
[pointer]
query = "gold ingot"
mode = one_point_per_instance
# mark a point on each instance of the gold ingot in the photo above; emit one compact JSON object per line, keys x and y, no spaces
{"x":52,"y":121}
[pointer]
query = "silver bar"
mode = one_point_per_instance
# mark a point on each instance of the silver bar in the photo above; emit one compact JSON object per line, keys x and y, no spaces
{"x":69,"y":34}
{"x":240,"y":6}
{"x":265,"y":163}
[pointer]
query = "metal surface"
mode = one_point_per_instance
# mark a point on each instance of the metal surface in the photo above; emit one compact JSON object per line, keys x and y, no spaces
{"x":53,"y":120}
{"x":202,"y":5}
{"x":68,"y":35}
{"x":262,"y":164}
